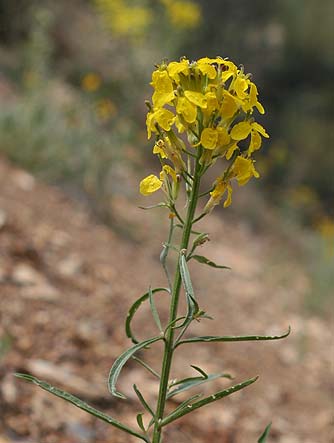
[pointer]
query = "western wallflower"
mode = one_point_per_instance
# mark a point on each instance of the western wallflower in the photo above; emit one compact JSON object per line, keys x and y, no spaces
{"x":209,"y":103}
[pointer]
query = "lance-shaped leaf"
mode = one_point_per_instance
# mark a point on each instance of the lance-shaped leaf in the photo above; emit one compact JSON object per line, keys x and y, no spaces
{"x":143,"y":401}
{"x":80,"y":404}
{"x":265,"y":434}
{"x":120,"y":362}
{"x":134,"y":308}
{"x":205,"y":401}
{"x":192,"y":304}
{"x":154,"y":310}
{"x":140,"y":421}
{"x":227,"y":338}
{"x":158,"y":205}
{"x":192,"y":382}
{"x":206,"y":261}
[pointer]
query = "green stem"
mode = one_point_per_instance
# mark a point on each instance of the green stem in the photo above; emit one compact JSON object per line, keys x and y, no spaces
{"x":169,"y":338}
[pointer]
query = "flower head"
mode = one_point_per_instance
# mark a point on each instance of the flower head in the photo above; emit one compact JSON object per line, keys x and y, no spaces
{"x":211,"y":103}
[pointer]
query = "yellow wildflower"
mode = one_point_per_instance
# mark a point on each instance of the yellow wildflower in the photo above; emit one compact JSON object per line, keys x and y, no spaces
{"x":183,"y":14}
{"x":150,"y":184}
{"x":196,"y":98}
{"x":91,"y":82}
{"x":209,"y":138}
{"x":168,"y":170}
{"x":158,"y":148}
{"x":187,"y":109}
{"x":243,"y":170}
{"x":163,"y":117}
{"x":176,"y":68}
{"x":229,"y":106}
{"x":241,"y":130}
{"x":105,"y":109}
{"x":163,"y":88}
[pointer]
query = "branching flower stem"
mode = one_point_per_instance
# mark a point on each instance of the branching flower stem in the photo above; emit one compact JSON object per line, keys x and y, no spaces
{"x":169,"y":338}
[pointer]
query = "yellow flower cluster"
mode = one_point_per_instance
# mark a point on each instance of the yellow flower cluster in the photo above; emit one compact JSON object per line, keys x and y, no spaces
{"x":182,"y":14}
{"x":123,"y":18}
{"x":210,"y":103}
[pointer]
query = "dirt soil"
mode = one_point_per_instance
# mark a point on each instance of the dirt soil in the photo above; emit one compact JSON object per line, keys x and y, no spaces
{"x":67,"y":283}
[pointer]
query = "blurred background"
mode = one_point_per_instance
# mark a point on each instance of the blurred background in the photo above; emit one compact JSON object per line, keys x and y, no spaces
{"x":73,"y":79}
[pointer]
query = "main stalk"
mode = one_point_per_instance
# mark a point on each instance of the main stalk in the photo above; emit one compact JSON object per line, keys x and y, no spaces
{"x":169,"y":339}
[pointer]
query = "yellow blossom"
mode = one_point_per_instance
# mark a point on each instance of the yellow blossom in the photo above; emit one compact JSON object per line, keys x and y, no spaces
{"x":91,"y":82}
{"x":183,"y":14}
{"x":105,"y":109}
{"x":229,"y":106}
{"x":163,"y":117}
{"x":243,"y":170}
{"x":187,"y":109}
{"x":158,"y":148}
{"x":163,"y":88}
{"x":241,"y":130}
{"x":176,"y":68}
{"x":196,"y":98}
{"x":209,"y":138}
{"x":150,"y":184}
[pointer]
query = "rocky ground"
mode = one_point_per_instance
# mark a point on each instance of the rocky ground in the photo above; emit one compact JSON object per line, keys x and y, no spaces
{"x":66,"y":284}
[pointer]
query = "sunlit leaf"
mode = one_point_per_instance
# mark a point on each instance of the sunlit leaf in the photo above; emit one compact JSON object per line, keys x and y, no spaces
{"x":188,"y":383}
{"x":228,"y":338}
{"x":80,"y":404}
{"x":177,"y":413}
{"x":120,"y":362}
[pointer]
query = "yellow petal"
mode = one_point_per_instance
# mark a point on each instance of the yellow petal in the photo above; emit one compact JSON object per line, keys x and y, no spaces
{"x":240,"y":131}
{"x":158,"y":148}
{"x":229,"y":106}
{"x":197,"y":98}
{"x":255,"y":142}
{"x":170,"y":171}
{"x":150,"y":184}
{"x":164,"y":118}
{"x":223,"y":136}
{"x":209,"y":138}
{"x":257,"y":127}
{"x":187,"y":109}
{"x":228,"y":200}
{"x":240,"y":86}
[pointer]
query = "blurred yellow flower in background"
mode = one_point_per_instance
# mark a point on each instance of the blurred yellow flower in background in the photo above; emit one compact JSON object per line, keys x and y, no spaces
{"x":183,"y":14}
{"x":105,"y":109}
{"x":91,"y":82}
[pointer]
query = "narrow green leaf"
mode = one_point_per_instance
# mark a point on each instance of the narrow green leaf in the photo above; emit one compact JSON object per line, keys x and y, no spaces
{"x":206,"y":261}
{"x":265,"y":434}
{"x":192,"y":304}
{"x":177,"y":413}
{"x":154,"y":310}
{"x":134,"y":308}
{"x":140,"y":422}
{"x":80,"y":404}
{"x":189,"y":383}
{"x":159,"y":205}
{"x":187,"y":402}
{"x":120,"y":362}
{"x":200,"y":370}
{"x":227,"y":338}
{"x":146,"y":366}
{"x":143,"y":401}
